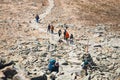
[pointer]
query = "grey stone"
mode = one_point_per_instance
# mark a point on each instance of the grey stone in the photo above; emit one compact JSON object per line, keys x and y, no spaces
{"x":9,"y":73}
{"x":103,"y":68}
{"x":116,"y":47}
{"x":65,"y":63}
{"x":17,"y":78}
{"x":97,"y":46}
{"x":44,"y":54}
{"x":25,"y":51}
{"x":20,"y":76}
{"x":118,"y":71}
{"x":43,"y":77}
{"x":114,"y":56}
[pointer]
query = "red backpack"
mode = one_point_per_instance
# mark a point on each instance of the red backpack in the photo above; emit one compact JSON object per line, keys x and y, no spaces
{"x":67,"y":35}
{"x":52,"y":27}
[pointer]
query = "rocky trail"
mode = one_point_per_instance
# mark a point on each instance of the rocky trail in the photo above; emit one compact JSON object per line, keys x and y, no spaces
{"x":30,"y":54}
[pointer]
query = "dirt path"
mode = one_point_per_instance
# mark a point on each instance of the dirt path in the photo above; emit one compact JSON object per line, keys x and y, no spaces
{"x":42,"y":16}
{"x":48,"y":10}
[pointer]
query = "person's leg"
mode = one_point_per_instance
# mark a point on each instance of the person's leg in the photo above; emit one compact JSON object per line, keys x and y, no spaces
{"x":64,"y":37}
{"x":86,"y":72}
{"x":51,"y":31}
{"x":37,"y":20}
{"x":48,"y":30}
{"x":56,"y":69}
{"x":71,"y":41}
{"x":67,"y":41}
{"x":59,"y":35}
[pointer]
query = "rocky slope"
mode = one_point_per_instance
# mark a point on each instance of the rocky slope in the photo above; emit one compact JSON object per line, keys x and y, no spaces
{"x":29,"y":45}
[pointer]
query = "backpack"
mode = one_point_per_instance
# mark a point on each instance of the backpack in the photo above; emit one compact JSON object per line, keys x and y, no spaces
{"x":52,"y":27}
{"x":52,"y":61}
{"x":67,"y":35}
{"x":84,"y":65}
{"x":51,"y":64}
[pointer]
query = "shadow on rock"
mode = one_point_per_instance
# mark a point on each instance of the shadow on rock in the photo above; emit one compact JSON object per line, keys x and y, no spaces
{"x":44,"y":77}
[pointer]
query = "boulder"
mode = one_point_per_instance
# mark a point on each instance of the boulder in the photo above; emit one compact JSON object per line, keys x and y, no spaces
{"x":43,"y":77}
{"x":65,"y":63}
{"x":97,"y":46}
{"x":1,"y":74}
{"x":114,"y":56}
{"x":44,"y":55}
{"x":9,"y":73}
{"x":118,"y":71}
{"x":20,"y":77}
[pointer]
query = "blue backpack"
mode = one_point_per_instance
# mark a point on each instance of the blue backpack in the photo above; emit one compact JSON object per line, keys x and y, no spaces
{"x":51,"y":65}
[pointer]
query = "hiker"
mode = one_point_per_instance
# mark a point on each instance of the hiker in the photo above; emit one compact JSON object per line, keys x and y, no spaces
{"x":52,"y":29}
{"x":53,"y":66}
{"x":85,"y":66}
{"x":48,"y":30}
{"x":64,"y":34}
{"x":71,"y":39}
{"x":87,"y":57}
{"x":59,"y":32}
{"x":37,"y":18}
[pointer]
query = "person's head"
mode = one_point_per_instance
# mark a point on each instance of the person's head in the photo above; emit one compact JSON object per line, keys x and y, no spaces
{"x":66,"y":27}
{"x":56,"y":64}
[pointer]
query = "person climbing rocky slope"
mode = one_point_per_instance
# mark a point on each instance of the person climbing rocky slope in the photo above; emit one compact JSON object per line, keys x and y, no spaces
{"x":29,"y":46}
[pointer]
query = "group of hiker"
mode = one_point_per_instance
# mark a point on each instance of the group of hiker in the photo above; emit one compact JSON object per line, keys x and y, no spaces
{"x":87,"y":63}
{"x":65,"y":33}
{"x":50,"y":28}
{"x":68,"y":36}
{"x":53,"y":66}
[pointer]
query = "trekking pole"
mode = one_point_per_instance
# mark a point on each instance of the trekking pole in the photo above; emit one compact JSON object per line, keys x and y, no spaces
{"x":87,"y":47}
